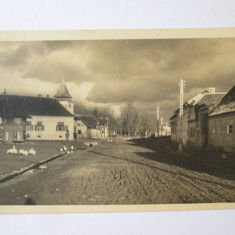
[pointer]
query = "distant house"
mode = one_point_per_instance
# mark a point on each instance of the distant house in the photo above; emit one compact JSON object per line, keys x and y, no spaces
{"x":86,"y":126}
{"x":221,"y":123}
{"x":41,"y":118}
{"x":103,"y":127}
{"x":193,"y":124}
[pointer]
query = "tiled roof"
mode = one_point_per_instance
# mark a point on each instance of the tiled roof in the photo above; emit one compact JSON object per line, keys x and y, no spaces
{"x":79,"y":109}
{"x":210,"y":98}
{"x":89,"y":120}
{"x":21,"y":106}
{"x":226,"y":105}
{"x":202,"y":99}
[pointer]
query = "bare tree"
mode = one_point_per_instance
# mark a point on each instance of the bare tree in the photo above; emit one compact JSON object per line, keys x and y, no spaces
{"x":130,"y":118}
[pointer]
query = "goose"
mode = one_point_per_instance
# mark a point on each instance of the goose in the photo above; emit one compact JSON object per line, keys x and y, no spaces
{"x":32,"y":152}
{"x":21,"y":151}
{"x":26,"y":153}
{"x":15,"y":151}
{"x":10,"y":151}
{"x":65,"y":149}
{"x":61,"y":149}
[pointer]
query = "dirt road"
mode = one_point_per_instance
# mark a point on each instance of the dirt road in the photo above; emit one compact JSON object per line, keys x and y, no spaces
{"x":123,"y":173}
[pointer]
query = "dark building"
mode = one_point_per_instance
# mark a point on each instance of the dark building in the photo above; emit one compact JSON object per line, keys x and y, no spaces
{"x":221,"y":123}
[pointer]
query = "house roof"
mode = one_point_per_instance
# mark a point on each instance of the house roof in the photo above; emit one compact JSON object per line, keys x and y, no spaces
{"x":89,"y":120}
{"x":227,"y":104}
{"x":79,"y":109}
{"x":62,"y":91}
{"x":211,"y":99}
{"x":206,"y":97}
{"x":22,"y":106}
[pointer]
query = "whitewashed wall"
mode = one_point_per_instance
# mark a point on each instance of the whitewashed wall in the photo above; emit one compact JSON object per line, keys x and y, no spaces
{"x":49,"y":132}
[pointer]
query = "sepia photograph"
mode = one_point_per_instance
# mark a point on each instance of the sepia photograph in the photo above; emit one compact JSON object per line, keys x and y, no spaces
{"x":117,"y":121}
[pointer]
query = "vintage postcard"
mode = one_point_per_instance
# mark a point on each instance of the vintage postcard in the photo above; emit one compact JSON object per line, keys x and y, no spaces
{"x":117,"y":120}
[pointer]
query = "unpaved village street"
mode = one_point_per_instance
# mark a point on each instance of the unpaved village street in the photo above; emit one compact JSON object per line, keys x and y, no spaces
{"x":122,"y":172}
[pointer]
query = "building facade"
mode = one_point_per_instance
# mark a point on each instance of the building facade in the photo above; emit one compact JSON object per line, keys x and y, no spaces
{"x":221,"y":123}
{"x":192,"y":126}
{"x":38,"y":118}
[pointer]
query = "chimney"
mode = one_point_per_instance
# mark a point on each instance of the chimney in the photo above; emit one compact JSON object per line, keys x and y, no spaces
{"x":211,"y":89}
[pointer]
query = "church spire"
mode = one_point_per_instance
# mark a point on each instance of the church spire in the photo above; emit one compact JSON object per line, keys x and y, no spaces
{"x":62,"y":91}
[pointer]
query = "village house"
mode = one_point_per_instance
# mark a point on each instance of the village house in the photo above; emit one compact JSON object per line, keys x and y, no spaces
{"x":164,"y":128}
{"x":193,"y":124}
{"x":221,"y":123}
{"x":12,"y":119}
{"x":39,"y":117}
{"x":86,"y":126}
{"x":103,"y":127}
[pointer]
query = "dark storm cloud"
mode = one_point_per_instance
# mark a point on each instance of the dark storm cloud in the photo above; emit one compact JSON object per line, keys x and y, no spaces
{"x":14,"y":57}
{"x":145,"y":72}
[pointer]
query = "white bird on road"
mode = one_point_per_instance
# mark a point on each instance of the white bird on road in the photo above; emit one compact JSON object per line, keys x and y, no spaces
{"x":65,"y":149}
{"x":32,"y":152}
{"x":12,"y":151}
{"x":21,"y":151}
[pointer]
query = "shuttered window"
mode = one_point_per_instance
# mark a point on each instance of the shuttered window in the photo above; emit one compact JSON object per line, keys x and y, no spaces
{"x":39,"y":127}
{"x":61,"y":127}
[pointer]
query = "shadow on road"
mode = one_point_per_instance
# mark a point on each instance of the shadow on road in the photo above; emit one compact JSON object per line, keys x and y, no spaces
{"x":191,"y":159}
{"x":159,"y":168}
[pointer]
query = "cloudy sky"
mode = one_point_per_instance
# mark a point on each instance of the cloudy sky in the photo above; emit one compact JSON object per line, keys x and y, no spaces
{"x":145,"y":72}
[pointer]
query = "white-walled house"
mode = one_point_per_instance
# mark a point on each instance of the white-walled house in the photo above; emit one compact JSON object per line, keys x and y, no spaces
{"x":49,"y":127}
{"x":49,"y":120}
{"x":43,"y":118}
{"x":86,"y":126}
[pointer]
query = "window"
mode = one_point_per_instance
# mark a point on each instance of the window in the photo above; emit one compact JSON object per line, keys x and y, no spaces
{"x":219,"y":127}
{"x":61,"y":127}
{"x":213,"y":127}
{"x":39,"y":127}
{"x":79,"y":132}
{"x":230,"y":127}
{"x":192,"y":132}
{"x":29,"y":126}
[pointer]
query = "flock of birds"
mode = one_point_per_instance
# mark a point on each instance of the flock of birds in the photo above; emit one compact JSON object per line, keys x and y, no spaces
{"x":65,"y":149}
{"x":32,"y":152}
{"x":21,"y":151}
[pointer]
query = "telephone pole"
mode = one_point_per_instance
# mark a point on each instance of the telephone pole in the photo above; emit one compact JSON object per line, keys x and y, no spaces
{"x":181,"y":111}
{"x":158,"y":120}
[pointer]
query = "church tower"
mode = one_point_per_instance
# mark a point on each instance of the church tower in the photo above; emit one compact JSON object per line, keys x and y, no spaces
{"x":63,"y":96}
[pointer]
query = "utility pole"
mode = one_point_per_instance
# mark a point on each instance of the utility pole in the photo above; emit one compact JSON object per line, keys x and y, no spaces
{"x":158,"y":120}
{"x":181,"y":111}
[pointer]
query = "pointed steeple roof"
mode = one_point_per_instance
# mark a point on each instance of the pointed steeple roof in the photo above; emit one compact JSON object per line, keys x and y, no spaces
{"x":62,"y":91}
